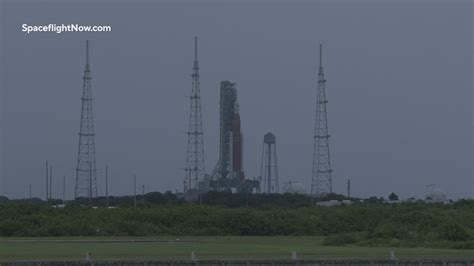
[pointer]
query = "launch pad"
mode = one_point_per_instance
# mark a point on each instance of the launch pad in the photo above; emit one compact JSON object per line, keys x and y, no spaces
{"x":228,"y":174}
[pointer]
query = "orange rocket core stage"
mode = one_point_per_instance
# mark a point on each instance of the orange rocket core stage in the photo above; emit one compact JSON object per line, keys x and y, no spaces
{"x":237,"y":147}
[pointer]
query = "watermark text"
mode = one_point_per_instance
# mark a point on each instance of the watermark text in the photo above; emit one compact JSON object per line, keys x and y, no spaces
{"x":60,"y":28}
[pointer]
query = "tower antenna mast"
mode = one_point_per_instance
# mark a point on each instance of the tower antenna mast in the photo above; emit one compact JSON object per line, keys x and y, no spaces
{"x":321,"y":181}
{"x":86,"y":174}
{"x":195,"y":169}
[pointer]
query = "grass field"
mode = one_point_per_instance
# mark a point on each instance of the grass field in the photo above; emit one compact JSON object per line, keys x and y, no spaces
{"x":205,"y":248}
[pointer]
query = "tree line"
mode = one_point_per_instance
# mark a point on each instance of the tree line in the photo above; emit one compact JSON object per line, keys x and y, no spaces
{"x":372,"y":223}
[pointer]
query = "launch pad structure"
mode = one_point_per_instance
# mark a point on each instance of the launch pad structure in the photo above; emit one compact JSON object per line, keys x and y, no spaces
{"x":228,"y":174}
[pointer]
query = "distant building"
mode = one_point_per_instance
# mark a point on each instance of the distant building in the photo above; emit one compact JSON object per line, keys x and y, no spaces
{"x":435,"y":195}
{"x":294,"y":188}
{"x":412,"y":200}
{"x":331,"y":203}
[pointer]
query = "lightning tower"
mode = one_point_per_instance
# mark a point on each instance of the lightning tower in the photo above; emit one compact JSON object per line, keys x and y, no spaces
{"x":321,"y":183}
{"x":194,"y":170}
{"x":86,"y":175}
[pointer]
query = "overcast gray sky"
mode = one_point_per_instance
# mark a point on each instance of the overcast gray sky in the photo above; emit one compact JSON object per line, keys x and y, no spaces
{"x":399,"y":89}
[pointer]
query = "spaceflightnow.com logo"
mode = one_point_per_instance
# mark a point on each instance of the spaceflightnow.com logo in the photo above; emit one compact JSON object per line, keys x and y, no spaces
{"x":64,"y":28}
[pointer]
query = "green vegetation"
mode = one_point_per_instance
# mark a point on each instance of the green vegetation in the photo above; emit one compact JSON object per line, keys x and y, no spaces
{"x":367,"y":224}
{"x":213,"y":198}
{"x":207,"y":248}
{"x":393,"y":196}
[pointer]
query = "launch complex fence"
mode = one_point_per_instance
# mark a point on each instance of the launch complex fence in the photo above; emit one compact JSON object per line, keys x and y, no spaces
{"x":452,"y":262}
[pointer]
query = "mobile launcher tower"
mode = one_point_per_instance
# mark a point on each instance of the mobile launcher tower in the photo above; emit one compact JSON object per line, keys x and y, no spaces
{"x":228,"y":175}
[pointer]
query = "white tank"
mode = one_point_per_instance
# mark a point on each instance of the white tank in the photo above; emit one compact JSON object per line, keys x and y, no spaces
{"x":293,"y":187}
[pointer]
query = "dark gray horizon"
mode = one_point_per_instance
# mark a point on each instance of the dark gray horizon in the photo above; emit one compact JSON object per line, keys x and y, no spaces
{"x":399,"y":86}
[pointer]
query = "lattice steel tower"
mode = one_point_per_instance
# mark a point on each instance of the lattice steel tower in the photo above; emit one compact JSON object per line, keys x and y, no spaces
{"x":321,"y":183}
{"x":86,"y":174}
{"x":194,"y":170}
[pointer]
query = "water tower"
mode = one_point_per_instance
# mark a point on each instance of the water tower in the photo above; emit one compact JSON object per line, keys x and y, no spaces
{"x":268,"y":167}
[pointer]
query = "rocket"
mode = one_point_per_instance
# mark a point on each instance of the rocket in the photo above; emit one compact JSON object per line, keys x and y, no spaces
{"x":237,"y":143}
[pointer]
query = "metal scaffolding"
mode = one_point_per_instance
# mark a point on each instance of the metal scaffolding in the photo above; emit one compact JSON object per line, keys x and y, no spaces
{"x":228,"y":98}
